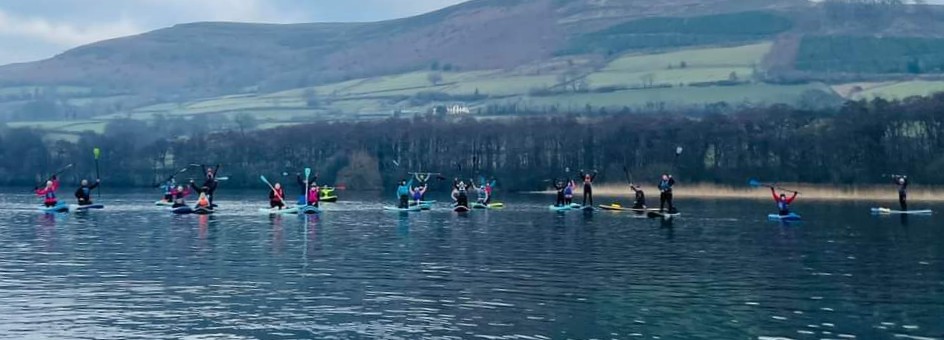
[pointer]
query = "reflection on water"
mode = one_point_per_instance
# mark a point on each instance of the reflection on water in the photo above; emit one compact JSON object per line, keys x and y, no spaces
{"x":721,"y":271}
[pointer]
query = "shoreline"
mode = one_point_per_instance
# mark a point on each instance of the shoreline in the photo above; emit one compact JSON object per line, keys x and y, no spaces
{"x":884,"y":193}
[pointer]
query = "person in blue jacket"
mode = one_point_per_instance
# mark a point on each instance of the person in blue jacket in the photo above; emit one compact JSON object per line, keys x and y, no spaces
{"x":403,"y":193}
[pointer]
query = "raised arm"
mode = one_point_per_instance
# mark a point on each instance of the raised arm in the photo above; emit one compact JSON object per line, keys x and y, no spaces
{"x":790,"y":200}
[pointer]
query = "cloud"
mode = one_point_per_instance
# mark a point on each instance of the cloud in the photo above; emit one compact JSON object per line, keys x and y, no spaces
{"x":63,"y":33}
{"x":38,"y":29}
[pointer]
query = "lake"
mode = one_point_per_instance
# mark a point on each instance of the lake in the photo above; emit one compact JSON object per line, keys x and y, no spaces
{"x":721,"y":271}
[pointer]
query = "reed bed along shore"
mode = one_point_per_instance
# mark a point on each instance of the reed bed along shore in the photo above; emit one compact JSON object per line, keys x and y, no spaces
{"x":807,"y":191}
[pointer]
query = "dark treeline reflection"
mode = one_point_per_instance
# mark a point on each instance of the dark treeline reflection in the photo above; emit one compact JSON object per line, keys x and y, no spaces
{"x":857,"y":143}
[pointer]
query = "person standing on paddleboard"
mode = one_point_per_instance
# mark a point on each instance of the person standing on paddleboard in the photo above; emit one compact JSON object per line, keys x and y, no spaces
{"x":210,"y":183}
{"x":462,"y":194}
{"x":403,"y":193}
{"x":902,"y":182}
{"x":783,"y":203}
{"x":561,"y":188}
{"x":49,"y":192}
{"x":84,"y":193}
{"x":588,"y":186}
{"x":640,"y":202}
{"x":277,"y":197}
{"x":489,"y":187}
{"x":665,"y":193}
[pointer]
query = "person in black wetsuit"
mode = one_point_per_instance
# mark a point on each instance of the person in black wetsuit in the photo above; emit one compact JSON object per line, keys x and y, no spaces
{"x":84,"y":193}
{"x":210,"y":183}
{"x":460,"y":193}
{"x":902,"y":182}
{"x":587,"y":179}
{"x":560,"y":186}
{"x":665,"y":193}
{"x":640,"y":202}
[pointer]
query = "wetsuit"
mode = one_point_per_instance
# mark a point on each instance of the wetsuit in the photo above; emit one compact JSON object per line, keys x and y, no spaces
{"x":84,"y":194}
{"x":403,"y":194}
{"x":49,"y":193}
{"x":561,"y":196}
{"x":588,"y":187}
{"x":640,"y":202}
{"x":211,"y":183}
{"x":665,"y":196}
{"x":903,"y":193}
{"x":276,"y":197}
{"x":783,"y":204}
{"x":462,"y":198}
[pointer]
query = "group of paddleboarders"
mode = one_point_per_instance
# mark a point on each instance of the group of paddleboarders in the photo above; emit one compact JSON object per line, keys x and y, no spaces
{"x":83,"y":194}
{"x":310,"y":193}
{"x":409,"y":194}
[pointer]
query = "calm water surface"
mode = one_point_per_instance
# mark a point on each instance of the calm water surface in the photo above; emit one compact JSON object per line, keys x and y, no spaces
{"x":720,"y":272}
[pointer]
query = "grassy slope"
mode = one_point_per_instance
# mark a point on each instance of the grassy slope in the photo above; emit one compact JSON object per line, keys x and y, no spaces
{"x":383,"y":95}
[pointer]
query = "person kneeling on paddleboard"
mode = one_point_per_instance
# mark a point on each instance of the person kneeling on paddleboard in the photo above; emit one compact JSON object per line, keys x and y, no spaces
{"x":84,"y":193}
{"x":783,"y":203}
{"x":665,"y":193}
{"x":640,"y":202}
{"x":168,"y":188}
{"x":902,"y":182}
{"x":481,"y":194}
{"x":204,"y":200}
{"x":418,"y":193}
{"x":277,"y":197}
{"x":569,"y":192}
{"x":403,"y":193}
{"x":179,"y":195}
{"x":49,"y":192}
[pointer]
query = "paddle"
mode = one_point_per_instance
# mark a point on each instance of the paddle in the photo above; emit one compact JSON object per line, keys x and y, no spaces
{"x":756,"y":184}
{"x":628,"y":175}
{"x":266,"y":181}
{"x":60,"y":171}
{"x":307,"y":175}
{"x":98,"y":176}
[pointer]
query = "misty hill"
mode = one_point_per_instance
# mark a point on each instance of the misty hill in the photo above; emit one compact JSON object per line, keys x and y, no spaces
{"x":496,"y":56}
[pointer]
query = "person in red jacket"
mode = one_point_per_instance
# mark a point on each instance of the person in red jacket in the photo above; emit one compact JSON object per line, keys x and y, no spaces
{"x":783,"y":203}
{"x":277,"y":197}
{"x":49,"y":192}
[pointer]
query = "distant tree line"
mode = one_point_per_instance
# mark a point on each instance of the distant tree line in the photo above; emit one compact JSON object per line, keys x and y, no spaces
{"x":856,"y":143}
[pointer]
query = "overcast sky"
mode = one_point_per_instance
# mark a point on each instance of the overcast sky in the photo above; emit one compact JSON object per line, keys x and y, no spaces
{"x":38,"y":29}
